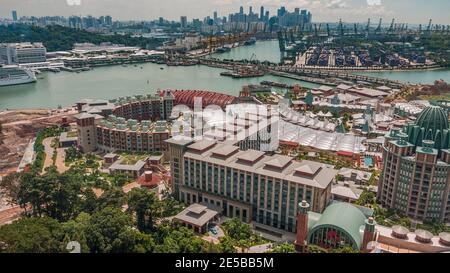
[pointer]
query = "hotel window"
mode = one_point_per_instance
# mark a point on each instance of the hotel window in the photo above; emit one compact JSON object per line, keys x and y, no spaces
{"x":235,"y":185}
{"x":248,"y":188}
{"x":255,"y":190}
{"x":241,"y":187}
{"x":269,"y":193}
{"x":268,"y":218}
{"x":216,"y":180}
{"x":262,"y":191}
{"x":228,"y":190}
{"x":222,"y":181}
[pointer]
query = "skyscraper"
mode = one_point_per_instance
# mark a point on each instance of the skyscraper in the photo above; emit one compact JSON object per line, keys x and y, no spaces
{"x":108,"y":20}
{"x":261,"y":14}
{"x":14,"y":15}
{"x":241,"y":10}
{"x":183,"y":21}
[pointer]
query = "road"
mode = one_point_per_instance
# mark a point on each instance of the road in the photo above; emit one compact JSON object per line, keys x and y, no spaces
{"x":48,"y":152}
{"x":60,"y":160}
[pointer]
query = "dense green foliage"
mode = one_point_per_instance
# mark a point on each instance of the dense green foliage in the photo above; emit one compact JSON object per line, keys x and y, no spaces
{"x":63,"y":208}
{"x":284,"y":248}
{"x":59,"y":38}
{"x":241,"y":234}
{"x":31,"y":235}
{"x":72,"y":155}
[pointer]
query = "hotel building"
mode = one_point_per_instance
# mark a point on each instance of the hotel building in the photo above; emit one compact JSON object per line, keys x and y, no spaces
{"x":249,"y":185}
{"x":415,"y":179}
{"x":129,"y":129}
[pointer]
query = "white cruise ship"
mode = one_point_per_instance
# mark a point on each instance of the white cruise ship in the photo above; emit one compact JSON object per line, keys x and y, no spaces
{"x":12,"y":75}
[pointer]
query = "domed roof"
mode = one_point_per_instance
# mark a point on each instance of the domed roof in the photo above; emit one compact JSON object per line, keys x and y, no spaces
{"x":433,"y":118}
{"x":344,"y":217}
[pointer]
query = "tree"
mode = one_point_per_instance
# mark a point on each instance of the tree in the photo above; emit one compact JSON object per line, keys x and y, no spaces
{"x":32,"y":235}
{"x":284,"y":248}
{"x":227,"y":245}
{"x":345,"y":249}
{"x":74,"y":230}
{"x":241,"y":233}
{"x":112,"y":197}
{"x":10,"y":187}
{"x":237,"y":230}
{"x":111,"y":231}
{"x":172,"y":238}
{"x":51,"y":194}
{"x":72,"y":154}
{"x":145,"y":204}
{"x":316,"y":249}
{"x":120,"y":180}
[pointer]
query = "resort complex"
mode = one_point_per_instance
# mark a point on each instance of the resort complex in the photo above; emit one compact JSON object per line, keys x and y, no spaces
{"x":258,"y":132}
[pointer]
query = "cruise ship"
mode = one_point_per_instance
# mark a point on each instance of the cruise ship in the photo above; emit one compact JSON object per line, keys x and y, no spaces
{"x":13,"y":74}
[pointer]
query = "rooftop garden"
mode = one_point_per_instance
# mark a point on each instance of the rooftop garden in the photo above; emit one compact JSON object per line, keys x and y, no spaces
{"x":131,"y":159}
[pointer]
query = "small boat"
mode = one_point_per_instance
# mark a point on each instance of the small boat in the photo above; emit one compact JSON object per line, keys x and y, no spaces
{"x":162,"y":68}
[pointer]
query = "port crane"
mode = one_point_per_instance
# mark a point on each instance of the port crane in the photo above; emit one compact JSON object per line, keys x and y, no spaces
{"x":429,"y":26}
{"x":368,"y":27}
{"x":391,"y":28}
{"x":379,"y":26}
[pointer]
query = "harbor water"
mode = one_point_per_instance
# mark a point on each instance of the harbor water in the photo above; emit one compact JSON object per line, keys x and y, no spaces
{"x":65,"y":88}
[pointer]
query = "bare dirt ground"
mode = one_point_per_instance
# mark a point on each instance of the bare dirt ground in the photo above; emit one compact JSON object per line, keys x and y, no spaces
{"x":18,"y":128}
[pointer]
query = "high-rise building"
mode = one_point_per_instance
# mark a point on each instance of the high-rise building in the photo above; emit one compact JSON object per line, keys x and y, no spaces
{"x":248,"y":185}
{"x":21,"y":53}
{"x":241,"y":10}
{"x":108,"y":20}
{"x":215,"y":16}
{"x":415,"y":179}
{"x":14,"y":15}
{"x":183,"y":21}
{"x":261,"y":14}
{"x":281,"y":11}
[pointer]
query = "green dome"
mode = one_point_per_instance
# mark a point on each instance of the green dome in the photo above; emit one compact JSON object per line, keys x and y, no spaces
{"x":433,"y":119}
{"x":344,"y":217}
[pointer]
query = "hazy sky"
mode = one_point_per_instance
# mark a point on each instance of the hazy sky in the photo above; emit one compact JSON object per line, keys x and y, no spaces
{"x":411,"y":11}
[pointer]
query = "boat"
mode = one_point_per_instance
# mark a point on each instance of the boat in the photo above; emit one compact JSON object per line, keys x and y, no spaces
{"x":162,"y":68}
{"x":251,"y":41}
{"x":13,"y":75}
{"x":223,"y":49}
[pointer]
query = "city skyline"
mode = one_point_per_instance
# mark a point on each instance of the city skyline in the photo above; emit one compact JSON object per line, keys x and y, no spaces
{"x":323,"y":10}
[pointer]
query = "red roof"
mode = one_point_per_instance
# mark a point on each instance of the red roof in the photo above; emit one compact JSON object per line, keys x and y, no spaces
{"x":153,"y":183}
{"x":187,"y":97}
{"x":344,"y":153}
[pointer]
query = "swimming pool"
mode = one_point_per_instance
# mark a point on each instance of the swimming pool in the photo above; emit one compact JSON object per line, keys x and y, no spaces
{"x":368,"y":161}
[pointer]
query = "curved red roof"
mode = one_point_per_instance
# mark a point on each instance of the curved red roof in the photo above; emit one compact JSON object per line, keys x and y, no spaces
{"x":187,"y":97}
